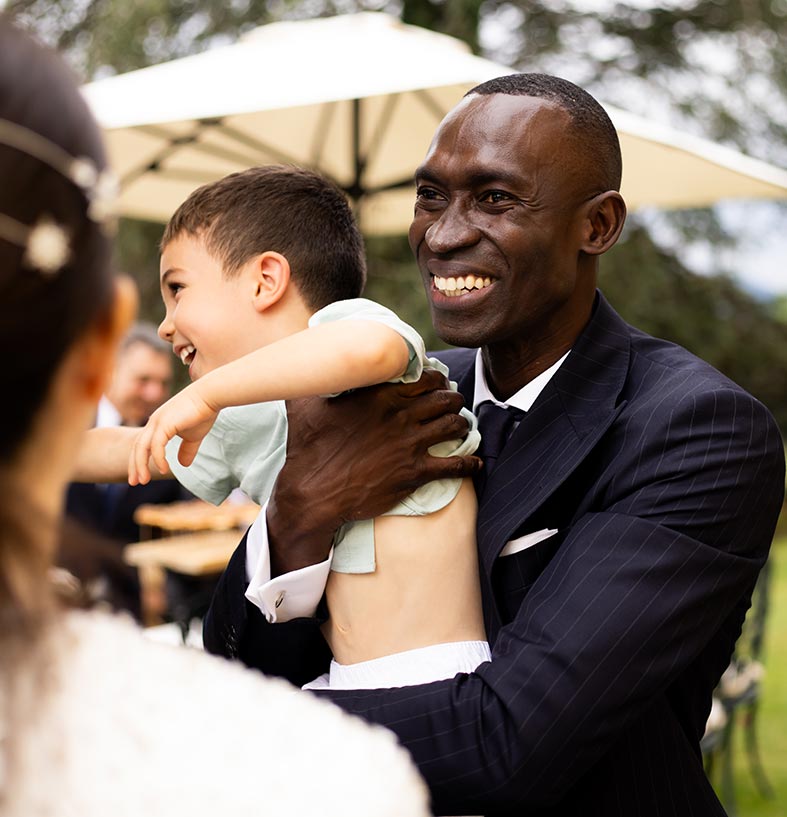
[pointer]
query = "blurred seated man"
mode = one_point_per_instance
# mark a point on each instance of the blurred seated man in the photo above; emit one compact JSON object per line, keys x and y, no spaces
{"x":99,"y":517}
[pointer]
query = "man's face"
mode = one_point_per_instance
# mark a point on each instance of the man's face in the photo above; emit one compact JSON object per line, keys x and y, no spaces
{"x":209,"y":318}
{"x":141,"y":382}
{"x":498,"y":224}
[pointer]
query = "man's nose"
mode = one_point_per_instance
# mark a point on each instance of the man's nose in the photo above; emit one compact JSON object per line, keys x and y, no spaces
{"x":453,"y":230}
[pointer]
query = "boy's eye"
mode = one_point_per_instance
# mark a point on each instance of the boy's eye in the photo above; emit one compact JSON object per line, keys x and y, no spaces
{"x":174,"y":288}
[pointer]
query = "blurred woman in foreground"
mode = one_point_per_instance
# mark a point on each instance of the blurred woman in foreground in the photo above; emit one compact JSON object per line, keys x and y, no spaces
{"x":94,"y":719}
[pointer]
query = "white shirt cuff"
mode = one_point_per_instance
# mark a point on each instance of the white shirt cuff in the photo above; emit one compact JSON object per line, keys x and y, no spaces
{"x":291,"y":595}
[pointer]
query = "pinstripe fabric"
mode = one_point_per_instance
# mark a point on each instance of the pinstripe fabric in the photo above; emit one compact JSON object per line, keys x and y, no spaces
{"x":664,"y":480}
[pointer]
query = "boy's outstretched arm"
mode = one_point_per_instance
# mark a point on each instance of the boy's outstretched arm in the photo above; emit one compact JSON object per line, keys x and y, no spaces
{"x":325,"y":359}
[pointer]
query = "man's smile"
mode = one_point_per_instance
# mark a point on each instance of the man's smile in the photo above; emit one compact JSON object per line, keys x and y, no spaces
{"x":461,"y":284}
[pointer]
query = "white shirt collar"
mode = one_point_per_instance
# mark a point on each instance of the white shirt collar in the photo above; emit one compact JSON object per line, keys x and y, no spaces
{"x":524,"y":398}
{"x":107,"y":416}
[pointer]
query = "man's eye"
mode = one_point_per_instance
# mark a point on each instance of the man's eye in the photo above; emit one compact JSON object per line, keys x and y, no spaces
{"x":427,"y":193}
{"x":495,"y":197}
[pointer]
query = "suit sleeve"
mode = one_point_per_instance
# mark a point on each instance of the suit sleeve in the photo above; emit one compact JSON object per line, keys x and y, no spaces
{"x":642,"y":582}
{"x":235,"y":628}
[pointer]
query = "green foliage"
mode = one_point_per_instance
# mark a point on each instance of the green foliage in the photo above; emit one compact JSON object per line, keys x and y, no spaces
{"x":709,"y":315}
{"x":779,"y":308}
{"x":717,"y":65}
{"x":114,"y":36}
{"x":772,"y":715}
{"x":136,"y":255}
{"x":459,"y":18}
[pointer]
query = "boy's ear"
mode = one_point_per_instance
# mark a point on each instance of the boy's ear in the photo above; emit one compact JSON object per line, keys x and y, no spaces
{"x":271,"y":279}
{"x":606,"y":214}
{"x":96,"y":351}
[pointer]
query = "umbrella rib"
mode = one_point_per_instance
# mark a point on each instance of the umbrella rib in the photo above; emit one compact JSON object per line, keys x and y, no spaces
{"x":327,"y":112}
{"x":398,"y":185}
{"x":258,"y":145}
{"x":223,"y":153}
{"x":176,"y":141}
{"x":193,"y":141}
{"x":431,"y":105}
{"x":173,"y":142}
{"x":355,"y":190}
{"x":185,"y":174}
{"x":380,"y":128}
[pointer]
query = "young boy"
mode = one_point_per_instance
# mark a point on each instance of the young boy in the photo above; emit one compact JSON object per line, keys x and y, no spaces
{"x":260,"y":275}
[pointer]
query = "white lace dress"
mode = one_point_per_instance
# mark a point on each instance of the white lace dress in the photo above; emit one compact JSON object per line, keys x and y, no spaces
{"x":100,"y":722}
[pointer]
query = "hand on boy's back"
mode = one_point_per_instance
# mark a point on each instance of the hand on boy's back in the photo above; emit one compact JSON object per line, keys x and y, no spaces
{"x":186,"y":415}
{"x":354,"y":456}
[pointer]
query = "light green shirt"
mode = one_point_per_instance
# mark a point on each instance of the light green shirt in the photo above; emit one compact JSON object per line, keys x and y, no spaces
{"x":246,"y":447}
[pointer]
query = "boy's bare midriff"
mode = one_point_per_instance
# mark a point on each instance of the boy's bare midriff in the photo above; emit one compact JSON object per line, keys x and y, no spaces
{"x":425,"y":589}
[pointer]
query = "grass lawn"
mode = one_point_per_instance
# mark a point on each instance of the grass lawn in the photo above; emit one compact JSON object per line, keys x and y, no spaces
{"x":772,"y":717}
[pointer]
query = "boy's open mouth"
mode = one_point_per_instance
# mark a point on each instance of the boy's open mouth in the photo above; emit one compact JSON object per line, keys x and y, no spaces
{"x":187,"y":355}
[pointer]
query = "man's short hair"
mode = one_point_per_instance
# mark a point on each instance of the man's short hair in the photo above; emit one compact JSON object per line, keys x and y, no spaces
{"x":283,"y":209}
{"x":146,"y":334}
{"x":591,"y":121}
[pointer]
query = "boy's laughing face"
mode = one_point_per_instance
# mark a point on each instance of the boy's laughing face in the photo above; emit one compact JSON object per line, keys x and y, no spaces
{"x":210,"y":319}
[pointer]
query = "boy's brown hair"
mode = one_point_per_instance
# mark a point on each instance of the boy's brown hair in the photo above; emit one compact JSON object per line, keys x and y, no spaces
{"x":283,"y":209}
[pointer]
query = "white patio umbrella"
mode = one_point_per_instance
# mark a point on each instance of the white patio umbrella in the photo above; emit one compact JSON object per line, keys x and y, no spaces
{"x":357,"y":97}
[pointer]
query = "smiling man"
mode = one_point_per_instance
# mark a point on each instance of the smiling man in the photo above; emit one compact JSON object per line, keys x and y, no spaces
{"x":621,"y":525}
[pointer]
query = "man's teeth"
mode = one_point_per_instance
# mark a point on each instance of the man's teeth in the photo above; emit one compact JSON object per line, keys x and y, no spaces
{"x":185,"y":353}
{"x":458,"y":286}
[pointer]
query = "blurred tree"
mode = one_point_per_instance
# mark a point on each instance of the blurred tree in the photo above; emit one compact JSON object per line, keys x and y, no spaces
{"x":718,"y":67}
{"x":709,"y":315}
{"x":103,"y":37}
{"x":460,"y":18}
{"x":779,"y":308}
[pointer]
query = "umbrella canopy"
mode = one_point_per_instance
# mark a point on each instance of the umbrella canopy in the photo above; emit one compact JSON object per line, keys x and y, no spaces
{"x":357,"y":97}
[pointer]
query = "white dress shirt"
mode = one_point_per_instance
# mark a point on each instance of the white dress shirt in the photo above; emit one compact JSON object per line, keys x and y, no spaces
{"x":297,"y":594}
{"x":107,"y":416}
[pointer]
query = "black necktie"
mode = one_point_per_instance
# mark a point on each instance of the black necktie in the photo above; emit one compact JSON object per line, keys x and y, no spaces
{"x":495,"y":424}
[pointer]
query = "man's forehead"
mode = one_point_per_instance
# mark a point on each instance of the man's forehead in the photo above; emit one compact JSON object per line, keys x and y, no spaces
{"x":482,"y":127}
{"x":498,"y":113}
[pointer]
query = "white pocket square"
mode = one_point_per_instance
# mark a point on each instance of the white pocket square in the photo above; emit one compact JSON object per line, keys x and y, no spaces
{"x":526,"y":541}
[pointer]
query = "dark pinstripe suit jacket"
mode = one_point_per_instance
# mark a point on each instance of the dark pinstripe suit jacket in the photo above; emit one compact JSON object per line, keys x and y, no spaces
{"x":664,"y":480}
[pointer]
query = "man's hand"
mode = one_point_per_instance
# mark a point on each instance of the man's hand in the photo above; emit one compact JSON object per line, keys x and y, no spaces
{"x":188,"y":415}
{"x":354,"y":456}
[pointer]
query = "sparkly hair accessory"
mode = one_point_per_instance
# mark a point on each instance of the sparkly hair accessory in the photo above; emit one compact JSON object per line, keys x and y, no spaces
{"x":46,"y":243}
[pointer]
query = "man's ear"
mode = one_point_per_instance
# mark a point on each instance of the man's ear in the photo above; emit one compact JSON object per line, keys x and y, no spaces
{"x":96,"y":350}
{"x":270,"y":278}
{"x":606,"y":214}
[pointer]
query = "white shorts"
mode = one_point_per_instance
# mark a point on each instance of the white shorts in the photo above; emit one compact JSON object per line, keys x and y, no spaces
{"x":402,"y":669}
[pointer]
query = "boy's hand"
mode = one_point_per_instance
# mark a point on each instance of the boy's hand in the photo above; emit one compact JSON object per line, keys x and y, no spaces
{"x":187,"y":415}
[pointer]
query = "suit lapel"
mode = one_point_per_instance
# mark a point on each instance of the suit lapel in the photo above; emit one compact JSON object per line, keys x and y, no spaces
{"x":569,"y":417}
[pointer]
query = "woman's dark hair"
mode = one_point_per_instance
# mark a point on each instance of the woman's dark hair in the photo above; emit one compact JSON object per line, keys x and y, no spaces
{"x":41,"y":315}
{"x":42,"y":311}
